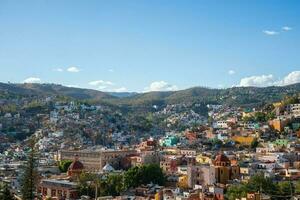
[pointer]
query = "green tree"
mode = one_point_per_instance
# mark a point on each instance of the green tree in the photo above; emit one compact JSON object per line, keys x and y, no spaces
{"x":113,"y":185}
{"x":270,"y":115}
{"x":285,"y":188}
{"x":248,"y":119}
{"x":236,"y":192}
{"x":151,"y":173}
{"x":29,"y":179}
{"x":132,"y":177}
{"x":5,"y":193}
{"x":260,"y":117}
{"x":254,"y":143}
{"x":64,"y":165}
{"x":86,"y":184}
{"x":259,"y":183}
{"x":145,"y":174}
{"x":297,"y":187}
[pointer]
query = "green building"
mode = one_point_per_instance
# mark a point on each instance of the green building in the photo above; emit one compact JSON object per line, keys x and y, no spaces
{"x":169,"y":141}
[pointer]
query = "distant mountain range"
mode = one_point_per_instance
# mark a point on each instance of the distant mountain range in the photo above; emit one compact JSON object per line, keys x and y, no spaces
{"x":241,"y":96}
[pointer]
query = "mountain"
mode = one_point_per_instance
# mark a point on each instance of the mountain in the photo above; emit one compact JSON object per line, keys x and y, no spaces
{"x":239,"y":96}
{"x":53,"y":89}
{"x":123,"y":94}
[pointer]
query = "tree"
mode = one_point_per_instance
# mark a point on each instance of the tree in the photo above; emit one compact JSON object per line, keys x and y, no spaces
{"x":285,"y":188}
{"x":151,"y":173}
{"x":145,"y":174}
{"x":297,"y":187}
{"x":236,"y":192}
{"x":132,"y":177}
{"x":29,"y":179}
{"x":270,"y":115}
{"x":259,"y":183}
{"x":260,"y":117}
{"x":254,"y":143}
{"x":248,"y":119}
{"x":64,"y":165}
{"x":5,"y":193}
{"x":113,"y":185}
{"x":262,"y":184}
{"x":85,"y":184}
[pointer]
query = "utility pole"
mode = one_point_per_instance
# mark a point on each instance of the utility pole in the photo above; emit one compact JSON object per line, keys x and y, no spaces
{"x":96,"y":191}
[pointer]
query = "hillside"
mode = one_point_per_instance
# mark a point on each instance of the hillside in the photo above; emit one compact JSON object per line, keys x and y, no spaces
{"x":240,"y":96}
{"x":53,"y":89}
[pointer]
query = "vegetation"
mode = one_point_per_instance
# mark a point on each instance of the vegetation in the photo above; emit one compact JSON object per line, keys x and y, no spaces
{"x":115,"y":184}
{"x":258,"y":182}
{"x":259,"y":117}
{"x":5,"y":193}
{"x":145,"y":174}
{"x":29,"y":179}
{"x":238,"y":96}
{"x":64,"y":165}
{"x":290,"y":100}
{"x":254,"y":144}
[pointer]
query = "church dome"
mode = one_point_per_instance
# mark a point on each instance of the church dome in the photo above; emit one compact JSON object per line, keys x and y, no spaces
{"x":76,"y":165}
{"x":221,"y":160}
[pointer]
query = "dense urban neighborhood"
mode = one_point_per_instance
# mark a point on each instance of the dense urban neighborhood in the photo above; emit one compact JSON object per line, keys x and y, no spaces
{"x":53,"y":146}
{"x":149,"y":100}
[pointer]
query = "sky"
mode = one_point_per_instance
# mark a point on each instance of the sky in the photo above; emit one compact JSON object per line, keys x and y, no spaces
{"x":141,"y":46}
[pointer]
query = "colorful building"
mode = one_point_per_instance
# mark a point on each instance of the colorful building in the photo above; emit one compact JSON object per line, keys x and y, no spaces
{"x":243,"y":140}
{"x":169,"y":141}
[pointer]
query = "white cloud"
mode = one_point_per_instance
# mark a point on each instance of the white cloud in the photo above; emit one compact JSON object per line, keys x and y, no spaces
{"x":101,"y":84}
{"x":32,"y":80}
{"x":268,"y":32}
{"x":291,"y":78}
{"x":58,"y":70}
{"x":73,"y":69}
{"x":160,"y":86}
{"x":73,"y":86}
{"x":269,"y":80}
{"x":287,"y":28}
{"x":111,"y":70}
{"x":121,"y":89}
{"x":231,"y":72}
{"x":257,"y":81}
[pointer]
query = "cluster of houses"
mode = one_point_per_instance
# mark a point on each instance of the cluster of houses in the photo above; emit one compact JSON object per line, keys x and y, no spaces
{"x":199,"y":163}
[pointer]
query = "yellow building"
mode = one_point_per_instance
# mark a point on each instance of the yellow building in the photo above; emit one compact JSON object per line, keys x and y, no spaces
{"x":279,"y":123}
{"x":224,"y":171}
{"x":203,"y":159}
{"x":243,"y":140}
{"x":277,"y":104}
{"x":159,"y":195}
{"x":248,"y":114}
{"x":183,"y":182}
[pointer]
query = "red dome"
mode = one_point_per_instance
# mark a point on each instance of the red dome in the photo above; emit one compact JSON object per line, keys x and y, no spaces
{"x":221,"y":158}
{"x":76,"y":165}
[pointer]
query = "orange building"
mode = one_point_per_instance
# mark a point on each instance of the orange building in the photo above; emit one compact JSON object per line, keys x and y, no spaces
{"x":224,"y":171}
{"x":279,"y":123}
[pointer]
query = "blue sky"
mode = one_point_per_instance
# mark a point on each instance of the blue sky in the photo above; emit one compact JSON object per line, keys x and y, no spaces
{"x":138,"y":45}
